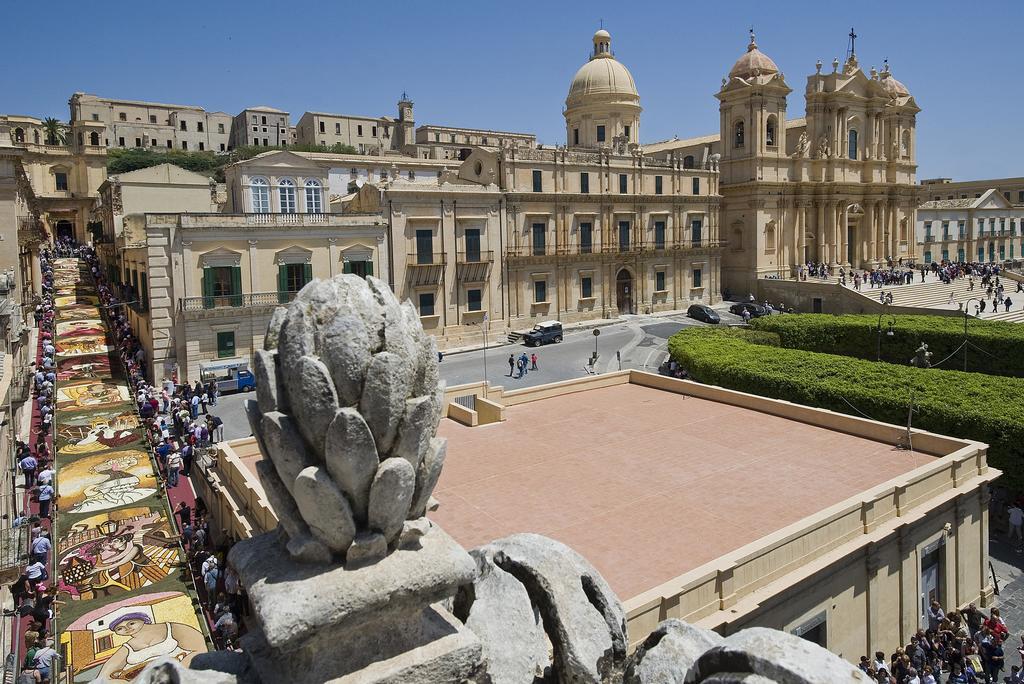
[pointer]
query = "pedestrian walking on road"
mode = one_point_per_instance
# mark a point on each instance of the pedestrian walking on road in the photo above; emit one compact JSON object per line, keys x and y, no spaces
{"x":525,"y":363}
{"x":533,"y":361}
{"x":511,"y":365}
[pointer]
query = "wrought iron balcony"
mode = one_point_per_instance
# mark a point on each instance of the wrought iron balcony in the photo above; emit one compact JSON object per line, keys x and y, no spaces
{"x":238,"y":301}
{"x":473,"y":266}
{"x":425,"y":268}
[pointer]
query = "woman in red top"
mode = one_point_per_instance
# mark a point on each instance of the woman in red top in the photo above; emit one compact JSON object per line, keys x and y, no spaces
{"x":996,"y":624}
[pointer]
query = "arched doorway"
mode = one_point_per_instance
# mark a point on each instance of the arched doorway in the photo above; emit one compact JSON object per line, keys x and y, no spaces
{"x":624,"y":291}
{"x":65,"y":229}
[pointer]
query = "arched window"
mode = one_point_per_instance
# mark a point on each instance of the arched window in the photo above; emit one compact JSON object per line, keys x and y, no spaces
{"x":852,"y":144}
{"x":260,"y":189}
{"x":769,"y":132}
{"x":769,"y":237}
{"x":35,"y":137}
{"x":94,"y":138}
{"x":738,"y":134}
{"x":688,"y":161}
{"x":286,"y":195}
{"x":314,"y":203}
{"x":905,"y":144}
{"x":19,"y":135}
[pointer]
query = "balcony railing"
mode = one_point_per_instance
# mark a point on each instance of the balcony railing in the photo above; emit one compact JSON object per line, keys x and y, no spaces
{"x":614,"y":248}
{"x":286,"y":219}
{"x":474,"y":266}
{"x":238,"y":301}
{"x":425,"y":268}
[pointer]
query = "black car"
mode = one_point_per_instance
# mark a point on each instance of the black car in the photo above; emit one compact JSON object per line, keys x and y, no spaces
{"x":756,"y":310}
{"x":542,"y":333}
{"x":703,"y":312}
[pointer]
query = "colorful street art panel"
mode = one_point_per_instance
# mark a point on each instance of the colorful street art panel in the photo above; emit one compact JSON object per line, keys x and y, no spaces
{"x":98,"y":436}
{"x":101,"y":482}
{"x":88,"y":327}
{"x":69,"y":300}
{"x":90,"y":394}
{"x":117,"y":641}
{"x":95,"y":366}
{"x":82,"y":346}
{"x":77,"y":312}
{"x":105,"y":556}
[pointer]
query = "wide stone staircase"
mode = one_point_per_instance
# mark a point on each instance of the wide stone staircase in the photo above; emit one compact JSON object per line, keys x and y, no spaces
{"x":934,"y":294}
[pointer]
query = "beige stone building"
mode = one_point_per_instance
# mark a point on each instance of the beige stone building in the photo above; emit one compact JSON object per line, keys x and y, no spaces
{"x":1012,"y":189}
{"x":987,"y":229}
{"x":450,"y":142}
{"x":369,"y":135}
{"x":262,"y":126}
{"x":837,"y":186}
{"x":131,"y":123}
{"x":591,"y":229}
{"x":207,"y":282}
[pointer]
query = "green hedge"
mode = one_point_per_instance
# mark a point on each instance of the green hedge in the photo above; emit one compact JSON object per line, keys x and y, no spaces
{"x":857,"y":336}
{"x":970,"y":405}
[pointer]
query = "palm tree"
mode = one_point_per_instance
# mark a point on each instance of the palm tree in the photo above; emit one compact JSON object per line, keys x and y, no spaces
{"x":55,"y":131}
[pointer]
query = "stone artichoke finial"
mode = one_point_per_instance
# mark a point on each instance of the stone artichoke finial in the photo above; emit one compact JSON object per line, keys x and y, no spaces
{"x":348,"y":402}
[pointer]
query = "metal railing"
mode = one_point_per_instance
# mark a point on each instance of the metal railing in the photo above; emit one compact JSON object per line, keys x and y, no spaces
{"x":475,"y":257}
{"x":238,"y":301}
{"x":613,"y":248}
{"x":432,"y":259}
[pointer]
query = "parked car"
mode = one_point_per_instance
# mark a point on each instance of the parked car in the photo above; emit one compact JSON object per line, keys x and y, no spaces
{"x":756,"y":310}
{"x":703,"y":312}
{"x":542,"y":333}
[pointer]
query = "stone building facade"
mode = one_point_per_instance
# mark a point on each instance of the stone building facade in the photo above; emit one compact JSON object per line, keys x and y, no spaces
{"x":133,"y":123}
{"x":987,"y":228}
{"x":262,"y":127}
{"x":836,"y":187}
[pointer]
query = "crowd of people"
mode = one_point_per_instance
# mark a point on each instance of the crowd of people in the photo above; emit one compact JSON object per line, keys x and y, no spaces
{"x":959,"y":647}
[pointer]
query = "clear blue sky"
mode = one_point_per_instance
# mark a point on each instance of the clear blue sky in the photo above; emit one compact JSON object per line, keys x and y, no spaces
{"x":508,"y":65}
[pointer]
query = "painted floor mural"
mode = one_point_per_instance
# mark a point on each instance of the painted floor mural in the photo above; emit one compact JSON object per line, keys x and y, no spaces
{"x":117,"y":551}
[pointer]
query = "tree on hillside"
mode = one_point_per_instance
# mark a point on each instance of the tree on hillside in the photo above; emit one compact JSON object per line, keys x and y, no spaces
{"x":55,"y":133}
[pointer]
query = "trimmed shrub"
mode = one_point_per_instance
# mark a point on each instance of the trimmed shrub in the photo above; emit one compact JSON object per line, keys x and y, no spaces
{"x":968,"y":405}
{"x":857,"y":336}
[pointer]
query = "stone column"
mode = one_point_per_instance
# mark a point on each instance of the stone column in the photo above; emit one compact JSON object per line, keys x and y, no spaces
{"x":803,"y":235}
{"x":868,"y":228}
{"x":819,"y":229}
{"x":986,"y":587}
{"x":332,"y":256}
{"x":879,"y":219}
{"x":253,"y":275}
{"x":844,"y":233}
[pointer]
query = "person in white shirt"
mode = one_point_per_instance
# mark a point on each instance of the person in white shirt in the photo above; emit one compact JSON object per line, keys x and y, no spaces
{"x":1016,"y":516}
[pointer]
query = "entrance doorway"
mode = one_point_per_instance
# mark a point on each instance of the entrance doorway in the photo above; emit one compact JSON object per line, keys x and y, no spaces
{"x":931,"y":578}
{"x":65,"y":229}
{"x":624,"y":291}
{"x":851,"y":238}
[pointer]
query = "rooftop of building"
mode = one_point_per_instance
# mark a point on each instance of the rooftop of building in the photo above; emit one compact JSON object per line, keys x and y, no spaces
{"x":143,"y":103}
{"x":949,"y":183}
{"x":650,"y":484}
{"x":334,"y":115}
{"x":459,"y":129}
{"x":676,"y":143}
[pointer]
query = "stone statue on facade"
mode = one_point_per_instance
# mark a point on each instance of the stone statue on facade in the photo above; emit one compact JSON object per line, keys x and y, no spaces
{"x":823,"y":148}
{"x":357,"y":585}
{"x":802,"y":145}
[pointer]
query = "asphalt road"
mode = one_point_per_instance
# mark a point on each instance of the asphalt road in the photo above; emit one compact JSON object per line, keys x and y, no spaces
{"x":641,"y":343}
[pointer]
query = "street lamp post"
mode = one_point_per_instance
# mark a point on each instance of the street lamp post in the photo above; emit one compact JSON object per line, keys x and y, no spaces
{"x":967,"y":314}
{"x":889,"y":333}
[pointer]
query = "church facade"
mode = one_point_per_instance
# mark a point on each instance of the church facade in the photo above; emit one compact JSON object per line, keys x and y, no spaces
{"x":836,"y":186}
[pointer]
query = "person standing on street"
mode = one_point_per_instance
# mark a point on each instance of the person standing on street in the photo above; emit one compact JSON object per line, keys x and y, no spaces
{"x":511,"y":365}
{"x":525,"y":363}
{"x":1016,"y":518}
{"x":173,"y":464}
{"x":45,"y":497}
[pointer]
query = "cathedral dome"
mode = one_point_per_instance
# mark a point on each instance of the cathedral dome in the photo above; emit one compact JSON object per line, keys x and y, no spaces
{"x":753,"y":63}
{"x":603,"y":78}
{"x":891,"y":86}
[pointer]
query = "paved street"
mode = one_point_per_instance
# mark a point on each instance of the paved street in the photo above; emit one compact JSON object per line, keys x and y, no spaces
{"x":642,"y":342}
{"x":1007,"y":565}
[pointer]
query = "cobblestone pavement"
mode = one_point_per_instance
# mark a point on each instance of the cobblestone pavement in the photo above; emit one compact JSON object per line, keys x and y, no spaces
{"x":1008,"y":564}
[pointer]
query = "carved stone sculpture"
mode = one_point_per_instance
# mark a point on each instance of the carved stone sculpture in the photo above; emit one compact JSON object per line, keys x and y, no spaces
{"x":802,"y":144}
{"x":823,"y":148}
{"x":348,"y":401}
{"x":348,"y":404}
